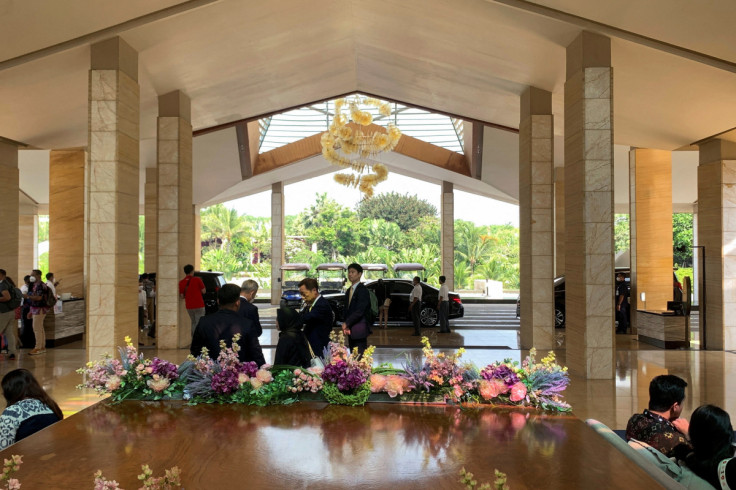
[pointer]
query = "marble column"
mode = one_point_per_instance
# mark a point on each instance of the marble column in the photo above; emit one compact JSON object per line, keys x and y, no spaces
{"x":175,"y":218}
{"x":67,"y":190}
{"x":650,"y":211}
{"x":559,"y":221}
{"x":448,"y":234}
{"x":536,"y":234}
{"x":150,"y":247}
{"x":10,"y":187}
{"x":277,"y":240}
{"x":717,"y":234}
{"x":112,"y":203}
{"x":589,"y":258}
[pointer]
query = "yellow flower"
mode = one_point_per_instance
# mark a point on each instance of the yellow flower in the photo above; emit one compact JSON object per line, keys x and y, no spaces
{"x":128,"y":341}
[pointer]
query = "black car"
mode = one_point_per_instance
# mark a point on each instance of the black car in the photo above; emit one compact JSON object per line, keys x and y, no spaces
{"x":559,"y":285}
{"x":399,"y":290}
{"x":213,"y":281}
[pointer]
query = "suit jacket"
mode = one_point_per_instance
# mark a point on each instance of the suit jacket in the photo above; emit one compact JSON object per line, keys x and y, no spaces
{"x":292,"y":349}
{"x":223,"y":325}
{"x":355,"y":309}
{"x":318,"y":324}
{"x":250,"y":311}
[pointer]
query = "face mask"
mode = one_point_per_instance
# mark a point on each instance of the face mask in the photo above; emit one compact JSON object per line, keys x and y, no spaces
{"x":33,"y":278}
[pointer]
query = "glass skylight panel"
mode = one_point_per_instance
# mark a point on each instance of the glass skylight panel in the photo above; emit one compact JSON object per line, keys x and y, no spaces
{"x":291,"y":126}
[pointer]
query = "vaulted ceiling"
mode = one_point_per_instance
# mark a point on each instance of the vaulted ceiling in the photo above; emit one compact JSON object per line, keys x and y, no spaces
{"x":674,"y":61}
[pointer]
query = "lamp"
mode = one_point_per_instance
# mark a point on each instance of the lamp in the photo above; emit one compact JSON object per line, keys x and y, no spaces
{"x":348,"y":144}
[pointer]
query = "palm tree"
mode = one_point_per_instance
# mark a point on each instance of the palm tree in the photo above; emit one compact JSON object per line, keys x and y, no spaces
{"x":472,"y":244}
{"x":223,"y":225}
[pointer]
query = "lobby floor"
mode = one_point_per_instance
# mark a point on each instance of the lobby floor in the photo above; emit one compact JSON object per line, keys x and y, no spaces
{"x":708,"y":373}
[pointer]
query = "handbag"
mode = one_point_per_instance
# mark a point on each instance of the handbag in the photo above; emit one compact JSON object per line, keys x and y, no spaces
{"x":315,"y":362}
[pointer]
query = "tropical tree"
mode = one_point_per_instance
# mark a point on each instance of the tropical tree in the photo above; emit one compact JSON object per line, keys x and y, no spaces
{"x":682,"y":239}
{"x":462,"y":274}
{"x":381,"y":233}
{"x":221,"y":226}
{"x":402,"y":209}
{"x":472,"y":243}
{"x":621,"y":232}
{"x":332,"y":227}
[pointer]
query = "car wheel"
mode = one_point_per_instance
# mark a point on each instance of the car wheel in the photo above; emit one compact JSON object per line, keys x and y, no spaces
{"x":428,"y":317}
{"x":559,"y":318}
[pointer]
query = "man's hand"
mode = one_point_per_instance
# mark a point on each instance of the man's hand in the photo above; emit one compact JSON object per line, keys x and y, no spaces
{"x":682,"y":425}
{"x":345,"y":329}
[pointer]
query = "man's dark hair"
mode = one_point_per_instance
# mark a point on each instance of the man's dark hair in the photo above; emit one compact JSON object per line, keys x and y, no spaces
{"x":309,"y":283}
{"x":666,"y":390}
{"x":144,"y":276}
{"x":417,"y":279}
{"x":188,"y":268}
{"x":3,"y":273}
{"x":49,"y":275}
{"x":357,"y":267}
{"x":228,"y":294}
{"x":36,"y":271}
{"x":442,"y":279}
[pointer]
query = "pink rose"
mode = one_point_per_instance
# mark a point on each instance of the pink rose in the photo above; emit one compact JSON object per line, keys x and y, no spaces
{"x":458,"y":391}
{"x":395,"y":385}
{"x":264,"y":376}
{"x":518,"y":392}
{"x":242,"y":378}
{"x":492,"y":388}
{"x":113,"y":383}
{"x":378,"y":382}
{"x":256,"y":383}
{"x":158,"y":383}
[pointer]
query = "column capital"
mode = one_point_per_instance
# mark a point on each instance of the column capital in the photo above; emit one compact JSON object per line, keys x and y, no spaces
{"x":716,"y":150}
{"x":535,"y":101}
{"x":114,"y":54}
{"x":447,"y":187}
{"x":175,"y":104}
{"x":588,"y":50}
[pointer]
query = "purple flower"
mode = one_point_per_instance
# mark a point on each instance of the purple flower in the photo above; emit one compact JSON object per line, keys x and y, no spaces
{"x":165,"y":369}
{"x":502,"y":372}
{"x":345,"y":377}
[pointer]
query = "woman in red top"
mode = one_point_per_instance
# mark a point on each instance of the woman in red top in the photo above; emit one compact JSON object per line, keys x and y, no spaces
{"x":191,"y":290}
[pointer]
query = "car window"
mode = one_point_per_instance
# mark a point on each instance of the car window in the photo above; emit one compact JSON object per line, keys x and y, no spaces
{"x":402,"y":288}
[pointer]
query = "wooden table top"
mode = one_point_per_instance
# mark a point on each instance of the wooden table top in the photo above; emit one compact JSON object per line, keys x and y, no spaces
{"x":315,"y":445}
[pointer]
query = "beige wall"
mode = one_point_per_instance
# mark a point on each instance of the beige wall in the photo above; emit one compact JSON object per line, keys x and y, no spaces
{"x":9,"y":187}
{"x":448,"y":234}
{"x":650,"y":210}
{"x":66,"y":219}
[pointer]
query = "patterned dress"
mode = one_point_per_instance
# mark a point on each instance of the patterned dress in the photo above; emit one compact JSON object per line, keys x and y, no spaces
{"x":29,"y":411}
{"x":659,"y":433}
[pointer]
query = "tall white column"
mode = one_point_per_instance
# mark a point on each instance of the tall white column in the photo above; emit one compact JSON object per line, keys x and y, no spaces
{"x":277,"y":240}
{"x":448,"y":234}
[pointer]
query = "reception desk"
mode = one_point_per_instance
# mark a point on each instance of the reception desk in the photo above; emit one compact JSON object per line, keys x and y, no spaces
{"x":66,"y":326}
{"x":663,"y":328}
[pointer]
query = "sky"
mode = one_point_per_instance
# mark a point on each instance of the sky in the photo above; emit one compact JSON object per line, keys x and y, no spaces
{"x":470,"y":207}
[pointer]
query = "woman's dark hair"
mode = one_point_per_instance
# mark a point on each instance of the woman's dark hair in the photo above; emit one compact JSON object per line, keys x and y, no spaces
{"x":20,"y":384}
{"x":711,"y":435}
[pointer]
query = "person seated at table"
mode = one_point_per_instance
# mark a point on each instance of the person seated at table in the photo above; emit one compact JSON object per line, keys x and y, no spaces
{"x":712,"y":438}
{"x":292,"y":347}
{"x":661,"y":425}
{"x":224,"y":325}
{"x":29,"y":409}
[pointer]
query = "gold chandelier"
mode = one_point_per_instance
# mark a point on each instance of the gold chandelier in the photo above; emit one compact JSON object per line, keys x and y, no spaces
{"x":346,"y":145}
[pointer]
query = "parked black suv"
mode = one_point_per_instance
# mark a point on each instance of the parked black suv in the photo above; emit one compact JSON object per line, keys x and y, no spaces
{"x":399,"y":290}
{"x":213,"y":281}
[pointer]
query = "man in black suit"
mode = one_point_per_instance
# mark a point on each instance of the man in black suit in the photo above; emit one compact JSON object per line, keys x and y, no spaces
{"x":247,"y":309}
{"x":317,"y":316}
{"x":224,"y":325}
{"x":357,"y":301}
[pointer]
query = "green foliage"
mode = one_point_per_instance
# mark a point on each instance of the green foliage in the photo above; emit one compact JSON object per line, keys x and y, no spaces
{"x":357,"y":397}
{"x":43,"y":263}
{"x":682,"y":239}
{"x":404,"y":210}
{"x":621,"y":232}
{"x":43,"y":228}
{"x":333,"y":227}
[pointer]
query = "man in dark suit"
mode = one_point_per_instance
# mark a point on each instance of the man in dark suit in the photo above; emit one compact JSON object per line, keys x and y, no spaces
{"x":357,"y":301}
{"x":247,"y":309}
{"x":224,"y":325}
{"x":317,"y":316}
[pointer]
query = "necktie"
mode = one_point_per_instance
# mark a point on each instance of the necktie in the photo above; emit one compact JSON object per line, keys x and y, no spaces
{"x":350,"y":296}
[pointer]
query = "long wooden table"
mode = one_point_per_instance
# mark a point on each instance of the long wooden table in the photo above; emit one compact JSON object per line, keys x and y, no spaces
{"x":315,"y":445}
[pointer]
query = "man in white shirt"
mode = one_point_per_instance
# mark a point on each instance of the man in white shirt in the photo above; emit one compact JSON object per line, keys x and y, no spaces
{"x":415,"y":306}
{"x":443,"y":306}
{"x":51,"y":283}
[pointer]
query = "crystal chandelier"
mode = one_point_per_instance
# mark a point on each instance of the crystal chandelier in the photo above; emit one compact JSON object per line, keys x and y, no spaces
{"x":351,"y":144}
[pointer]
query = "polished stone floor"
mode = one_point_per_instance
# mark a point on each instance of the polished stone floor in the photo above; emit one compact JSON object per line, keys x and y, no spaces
{"x":709,"y":374}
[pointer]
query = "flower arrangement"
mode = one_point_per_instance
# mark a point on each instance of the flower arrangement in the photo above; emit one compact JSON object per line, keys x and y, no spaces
{"x":346,"y":375}
{"x":10,"y":466}
{"x":538,"y":385}
{"x":347,"y":379}
{"x":228,"y":380}
{"x":350,"y":147}
{"x":442,"y":374}
{"x":135,"y":378}
{"x":468,"y":479}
